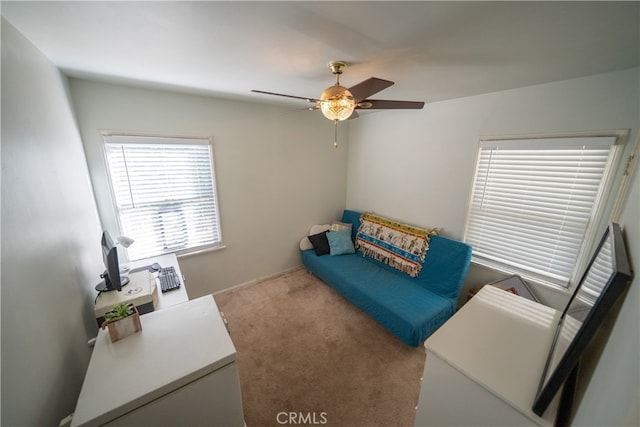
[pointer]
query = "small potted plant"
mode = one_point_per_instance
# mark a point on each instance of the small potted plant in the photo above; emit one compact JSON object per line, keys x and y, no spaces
{"x":122,"y":321}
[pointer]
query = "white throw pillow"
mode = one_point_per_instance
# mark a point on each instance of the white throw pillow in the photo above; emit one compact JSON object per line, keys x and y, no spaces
{"x":315,"y":229}
{"x":339,"y":226}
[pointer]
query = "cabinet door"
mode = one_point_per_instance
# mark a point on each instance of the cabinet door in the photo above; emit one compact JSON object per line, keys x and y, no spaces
{"x":214,"y":399}
{"x":449,"y":398}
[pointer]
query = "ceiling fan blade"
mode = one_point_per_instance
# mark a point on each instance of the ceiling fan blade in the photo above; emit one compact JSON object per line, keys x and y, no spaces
{"x":369,"y":87}
{"x":287,"y":96}
{"x":383,"y":104}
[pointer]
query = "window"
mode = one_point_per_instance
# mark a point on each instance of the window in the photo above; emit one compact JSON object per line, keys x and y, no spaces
{"x":533,"y":201}
{"x":164,"y":193}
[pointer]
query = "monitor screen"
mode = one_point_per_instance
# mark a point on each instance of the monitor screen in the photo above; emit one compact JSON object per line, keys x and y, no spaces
{"x":112,"y":279}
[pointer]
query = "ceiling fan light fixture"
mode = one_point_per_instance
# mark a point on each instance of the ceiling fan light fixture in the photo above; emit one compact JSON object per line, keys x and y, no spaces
{"x":337,"y":103}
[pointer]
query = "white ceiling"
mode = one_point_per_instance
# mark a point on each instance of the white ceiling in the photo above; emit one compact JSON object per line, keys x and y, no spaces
{"x":432,"y":50}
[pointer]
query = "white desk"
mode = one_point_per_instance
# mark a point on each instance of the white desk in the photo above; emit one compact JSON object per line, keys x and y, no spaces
{"x":179,"y":370}
{"x":484,"y":365}
{"x":170,"y":298}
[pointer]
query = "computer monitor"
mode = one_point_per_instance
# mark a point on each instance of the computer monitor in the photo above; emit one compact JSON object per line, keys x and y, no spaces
{"x":112,"y":279}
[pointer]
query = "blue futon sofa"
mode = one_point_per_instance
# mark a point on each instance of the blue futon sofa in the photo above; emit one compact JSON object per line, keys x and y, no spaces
{"x":410,"y":308}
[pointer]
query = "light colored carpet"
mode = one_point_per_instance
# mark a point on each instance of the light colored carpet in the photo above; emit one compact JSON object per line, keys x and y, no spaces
{"x":304,"y":349}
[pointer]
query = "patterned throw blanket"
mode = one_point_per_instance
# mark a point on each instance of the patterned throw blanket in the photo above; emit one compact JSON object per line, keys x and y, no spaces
{"x":399,"y":245}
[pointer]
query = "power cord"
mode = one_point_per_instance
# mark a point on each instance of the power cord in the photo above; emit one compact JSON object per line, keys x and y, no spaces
{"x":96,"y":300}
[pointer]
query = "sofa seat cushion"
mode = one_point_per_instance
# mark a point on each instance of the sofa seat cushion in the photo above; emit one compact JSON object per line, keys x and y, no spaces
{"x":398,"y":302}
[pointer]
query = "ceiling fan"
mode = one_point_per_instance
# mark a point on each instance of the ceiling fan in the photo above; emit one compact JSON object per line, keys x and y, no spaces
{"x":339,"y":103}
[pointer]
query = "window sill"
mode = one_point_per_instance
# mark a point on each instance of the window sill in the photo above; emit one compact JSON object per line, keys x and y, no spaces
{"x":531,"y":280}
{"x":189,"y":253}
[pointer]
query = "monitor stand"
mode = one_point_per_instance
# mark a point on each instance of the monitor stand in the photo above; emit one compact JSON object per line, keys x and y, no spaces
{"x":105,"y":285}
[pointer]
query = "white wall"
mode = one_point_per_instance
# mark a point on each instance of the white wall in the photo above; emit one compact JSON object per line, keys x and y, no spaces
{"x":418,"y":167}
{"x":50,"y":241}
{"x":277,"y":172}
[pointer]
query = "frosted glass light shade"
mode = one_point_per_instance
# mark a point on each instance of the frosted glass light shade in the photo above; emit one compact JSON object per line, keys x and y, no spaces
{"x":337,"y":103}
{"x":123,"y":256}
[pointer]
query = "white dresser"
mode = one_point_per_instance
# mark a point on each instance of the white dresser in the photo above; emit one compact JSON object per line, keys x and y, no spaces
{"x":179,"y":370}
{"x":484,"y":365}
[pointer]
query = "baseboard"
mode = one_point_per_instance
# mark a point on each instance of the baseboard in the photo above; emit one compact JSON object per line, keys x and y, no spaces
{"x":261,"y":279}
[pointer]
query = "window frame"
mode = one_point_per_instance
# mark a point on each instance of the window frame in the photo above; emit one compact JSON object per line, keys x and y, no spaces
{"x":605,"y":201}
{"x":158,"y":139}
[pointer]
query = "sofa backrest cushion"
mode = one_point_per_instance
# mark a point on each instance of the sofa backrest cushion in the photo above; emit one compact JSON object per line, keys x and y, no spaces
{"x":445,"y":267}
{"x":352,"y":217}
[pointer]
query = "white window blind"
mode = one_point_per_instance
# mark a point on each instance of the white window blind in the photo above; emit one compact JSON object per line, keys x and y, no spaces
{"x":532,"y":203}
{"x":164,"y":192}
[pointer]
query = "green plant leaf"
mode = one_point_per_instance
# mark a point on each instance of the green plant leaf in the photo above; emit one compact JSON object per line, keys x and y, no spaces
{"x":119,"y":311}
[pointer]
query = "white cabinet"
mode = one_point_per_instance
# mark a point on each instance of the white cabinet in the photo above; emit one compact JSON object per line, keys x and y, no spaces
{"x":179,"y":370}
{"x":484,"y":365}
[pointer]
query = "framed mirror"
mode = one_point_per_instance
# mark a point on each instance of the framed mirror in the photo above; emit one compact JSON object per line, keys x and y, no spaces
{"x":606,"y":277}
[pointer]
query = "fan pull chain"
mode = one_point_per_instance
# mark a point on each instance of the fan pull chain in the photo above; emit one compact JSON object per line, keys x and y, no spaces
{"x":335,"y":135}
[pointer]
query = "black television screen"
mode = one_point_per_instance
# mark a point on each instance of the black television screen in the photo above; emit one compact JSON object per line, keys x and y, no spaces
{"x":112,"y":279}
{"x":604,"y":280}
